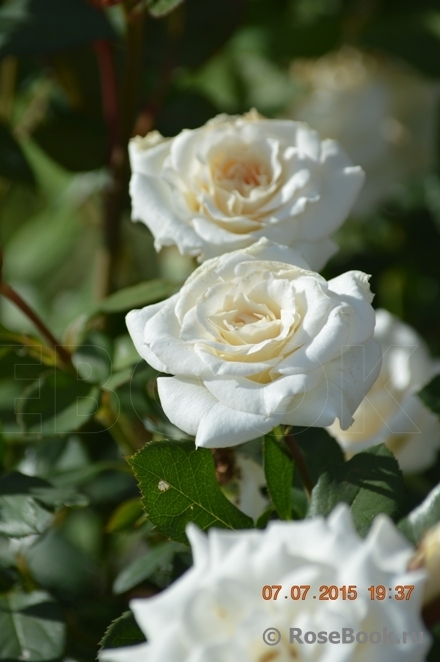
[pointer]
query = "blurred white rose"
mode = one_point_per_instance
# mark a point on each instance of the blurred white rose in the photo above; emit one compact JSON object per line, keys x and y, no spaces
{"x":238,"y":178}
{"x":392,"y":413}
{"x":254,"y":339}
{"x":216,"y":612}
{"x":383,"y":114}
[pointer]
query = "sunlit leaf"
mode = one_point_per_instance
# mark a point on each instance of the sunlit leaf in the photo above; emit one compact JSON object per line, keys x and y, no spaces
{"x":178,"y":485}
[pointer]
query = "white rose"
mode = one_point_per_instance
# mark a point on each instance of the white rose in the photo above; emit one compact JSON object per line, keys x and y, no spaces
{"x":254,"y":340}
{"x":392,"y":413}
{"x":383,"y":114}
{"x":223,"y":186}
{"x":247,"y":485}
{"x":216,"y":612}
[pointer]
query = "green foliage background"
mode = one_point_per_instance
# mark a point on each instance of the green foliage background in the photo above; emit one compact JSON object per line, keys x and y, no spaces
{"x":77,"y":80}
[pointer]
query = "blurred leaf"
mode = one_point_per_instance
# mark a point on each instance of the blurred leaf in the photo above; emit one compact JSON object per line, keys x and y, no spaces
{"x":13,"y":163}
{"x":24,"y":501}
{"x":278,"y":469}
{"x":77,"y":74}
{"x":23,"y":346}
{"x":42,"y":245}
{"x":414,"y":525}
{"x":162,"y":7}
{"x":136,"y":296}
{"x":410,"y":36}
{"x":144,"y":567}
{"x":81,"y":475}
{"x":56,"y":496}
{"x":184,"y":110}
{"x":124,"y":631}
{"x":371,"y":483}
{"x":20,"y":514}
{"x":31,"y":627}
{"x":76,"y":142}
{"x":61,"y":567}
{"x":36,"y":27}
{"x":178,"y":485}
{"x":56,"y":404}
{"x":125,"y":515}
{"x":125,"y":353}
{"x":430,"y":395}
{"x":93,"y":360}
{"x":208,"y":25}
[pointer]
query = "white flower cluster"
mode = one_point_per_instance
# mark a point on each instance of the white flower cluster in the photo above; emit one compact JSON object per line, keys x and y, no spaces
{"x":382,"y":112}
{"x":391,"y":412}
{"x":255,"y":337}
{"x":216,"y":611}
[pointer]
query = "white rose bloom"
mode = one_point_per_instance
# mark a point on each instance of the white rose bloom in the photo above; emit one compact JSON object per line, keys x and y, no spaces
{"x":392,"y":413}
{"x":254,"y":340}
{"x":223,"y":186}
{"x":216,"y":613}
{"x":249,"y":481}
{"x":383,"y":114}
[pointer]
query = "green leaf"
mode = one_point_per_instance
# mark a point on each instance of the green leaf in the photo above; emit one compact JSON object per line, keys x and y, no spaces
{"x":137,"y":296}
{"x":36,"y":27}
{"x":125,"y":515}
{"x":61,"y":567}
{"x":178,"y":486}
{"x":13,"y":163}
{"x":124,"y":631}
{"x":144,"y":567}
{"x":25,"y":502}
{"x":93,"y":359}
{"x":162,"y":7}
{"x":56,"y":404}
{"x":31,"y":627}
{"x":430,"y":395}
{"x":426,"y":515}
{"x":20,"y":513}
{"x":278,"y":469}
{"x":22,"y":516}
{"x":320,"y":450}
{"x":371,"y":483}
{"x":264,"y":518}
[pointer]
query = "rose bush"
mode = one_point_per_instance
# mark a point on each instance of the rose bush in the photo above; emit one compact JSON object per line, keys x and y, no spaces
{"x":223,"y":186}
{"x":255,"y":339}
{"x":216,"y":610}
{"x":383,"y":113}
{"x":392,"y":413}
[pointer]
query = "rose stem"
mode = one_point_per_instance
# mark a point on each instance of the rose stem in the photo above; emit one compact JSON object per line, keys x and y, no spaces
{"x":114,"y":195}
{"x":9,"y":293}
{"x":298,"y":456}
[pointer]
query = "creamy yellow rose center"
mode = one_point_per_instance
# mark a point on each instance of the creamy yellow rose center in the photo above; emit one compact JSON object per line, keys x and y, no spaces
{"x":253,"y":330}
{"x":240,"y":173}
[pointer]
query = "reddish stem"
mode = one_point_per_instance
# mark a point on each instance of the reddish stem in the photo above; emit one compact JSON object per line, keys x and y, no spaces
{"x":9,"y":293}
{"x":109,"y":92}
